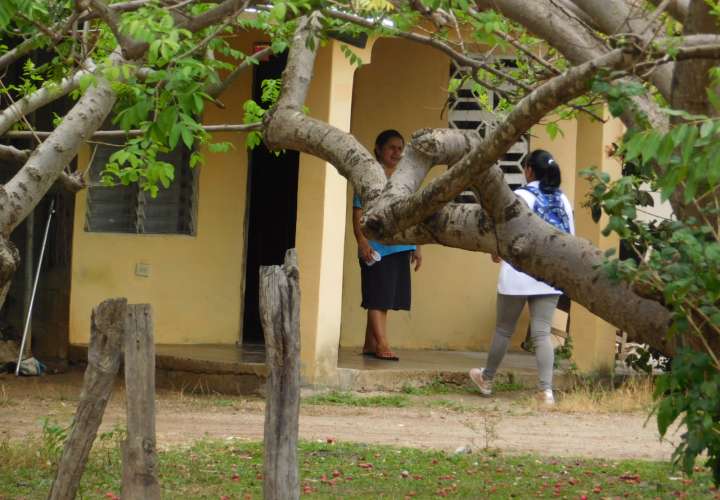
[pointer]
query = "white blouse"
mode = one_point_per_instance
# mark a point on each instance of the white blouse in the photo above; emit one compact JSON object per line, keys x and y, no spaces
{"x":514,"y":282}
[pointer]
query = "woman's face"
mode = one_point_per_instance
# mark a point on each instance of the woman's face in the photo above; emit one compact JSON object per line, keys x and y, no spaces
{"x":391,"y":152}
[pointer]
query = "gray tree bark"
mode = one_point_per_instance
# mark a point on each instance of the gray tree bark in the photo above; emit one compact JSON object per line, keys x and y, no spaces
{"x":104,"y":355}
{"x":139,"y":478}
{"x":280,"y":317}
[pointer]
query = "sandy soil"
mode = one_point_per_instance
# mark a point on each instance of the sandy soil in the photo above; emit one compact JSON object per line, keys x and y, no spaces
{"x":506,"y":422}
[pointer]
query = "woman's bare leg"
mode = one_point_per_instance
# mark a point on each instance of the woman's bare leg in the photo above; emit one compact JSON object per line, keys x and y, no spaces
{"x":377,"y":319}
{"x":369,"y":346}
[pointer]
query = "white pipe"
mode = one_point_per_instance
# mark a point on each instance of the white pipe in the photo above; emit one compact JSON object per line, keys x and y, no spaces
{"x":37,"y":278}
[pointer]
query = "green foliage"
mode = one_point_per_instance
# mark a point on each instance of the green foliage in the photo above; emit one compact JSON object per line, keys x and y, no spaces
{"x":565,"y":351}
{"x":690,"y":393}
{"x":52,"y":441}
{"x":677,"y":262}
{"x":618,"y":95}
{"x":553,"y":129}
{"x":351,"y":56}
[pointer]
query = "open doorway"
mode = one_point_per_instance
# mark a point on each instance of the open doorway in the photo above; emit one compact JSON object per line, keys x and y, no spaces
{"x":271,"y":212}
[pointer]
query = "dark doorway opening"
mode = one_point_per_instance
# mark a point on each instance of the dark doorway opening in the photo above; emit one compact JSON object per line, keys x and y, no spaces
{"x":272,"y":209}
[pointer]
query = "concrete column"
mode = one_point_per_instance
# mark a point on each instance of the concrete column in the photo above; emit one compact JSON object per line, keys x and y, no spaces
{"x":594,"y":339}
{"x":320,"y":234}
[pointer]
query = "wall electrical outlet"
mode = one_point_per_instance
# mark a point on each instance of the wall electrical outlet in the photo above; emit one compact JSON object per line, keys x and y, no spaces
{"x":142,"y":269}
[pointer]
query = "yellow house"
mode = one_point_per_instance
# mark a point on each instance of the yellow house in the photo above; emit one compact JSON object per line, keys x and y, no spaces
{"x":242,"y":209}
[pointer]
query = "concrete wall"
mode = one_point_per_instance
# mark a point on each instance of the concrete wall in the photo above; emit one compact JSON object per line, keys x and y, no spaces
{"x":322,"y":197}
{"x":454,"y":292}
{"x":594,"y":338}
{"x":195,"y":282}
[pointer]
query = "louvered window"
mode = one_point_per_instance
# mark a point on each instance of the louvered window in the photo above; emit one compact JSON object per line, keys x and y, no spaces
{"x":465,"y":113}
{"x":129,"y":209}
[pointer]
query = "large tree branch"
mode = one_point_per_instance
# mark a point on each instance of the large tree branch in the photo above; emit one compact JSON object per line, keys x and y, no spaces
{"x":676,"y":8}
{"x":573,"y":38}
{"x":690,"y":83}
{"x":615,"y":17}
{"x":12,"y":157}
{"x":286,"y":126}
{"x":101,"y":134}
{"x":132,"y":49}
{"x":12,"y":55}
{"x":691,"y":78}
{"x":47,"y":94}
{"x":20,"y":195}
{"x":216,"y":14}
{"x":386,"y":219}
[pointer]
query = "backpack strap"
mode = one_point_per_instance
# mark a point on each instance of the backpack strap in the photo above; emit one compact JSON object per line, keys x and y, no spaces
{"x":531,"y":189}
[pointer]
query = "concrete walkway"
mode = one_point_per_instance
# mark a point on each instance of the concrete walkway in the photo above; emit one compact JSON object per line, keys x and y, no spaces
{"x":231,"y":369}
{"x":417,"y":367}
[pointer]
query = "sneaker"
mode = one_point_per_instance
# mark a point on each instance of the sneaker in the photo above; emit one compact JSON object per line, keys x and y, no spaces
{"x":485,"y":386}
{"x":546,"y":397}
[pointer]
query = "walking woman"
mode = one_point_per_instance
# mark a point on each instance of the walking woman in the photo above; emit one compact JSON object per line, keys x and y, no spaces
{"x":542,"y":193}
{"x":384,"y":269}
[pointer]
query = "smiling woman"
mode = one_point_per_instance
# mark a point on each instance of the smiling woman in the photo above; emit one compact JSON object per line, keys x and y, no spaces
{"x":384,"y":270}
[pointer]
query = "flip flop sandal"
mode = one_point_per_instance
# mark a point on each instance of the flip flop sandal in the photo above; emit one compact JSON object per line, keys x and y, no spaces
{"x":369,"y":353}
{"x":386,"y":356}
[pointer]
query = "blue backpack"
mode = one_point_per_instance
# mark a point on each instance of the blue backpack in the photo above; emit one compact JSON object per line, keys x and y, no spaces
{"x":550,"y":208}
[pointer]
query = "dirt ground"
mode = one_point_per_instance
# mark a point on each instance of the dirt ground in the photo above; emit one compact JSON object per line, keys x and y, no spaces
{"x":507,"y":422}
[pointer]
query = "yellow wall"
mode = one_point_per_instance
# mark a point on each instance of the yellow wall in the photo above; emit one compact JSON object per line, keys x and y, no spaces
{"x":594,"y":339}
{"x":454,"y":293}
{"x":195,"y":282}
{"x":322,"y":196}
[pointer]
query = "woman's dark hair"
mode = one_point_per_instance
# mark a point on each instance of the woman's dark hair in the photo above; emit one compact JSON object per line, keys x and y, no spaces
{"x":383,"y":137}
{"x":545,"y":169}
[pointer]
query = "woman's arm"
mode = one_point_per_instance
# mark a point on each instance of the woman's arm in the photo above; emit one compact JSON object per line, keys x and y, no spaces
{"x":364,"y":249}
{"x":416,"y":257}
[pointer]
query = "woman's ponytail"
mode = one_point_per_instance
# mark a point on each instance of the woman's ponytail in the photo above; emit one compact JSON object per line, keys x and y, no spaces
{"x":545,"y":169}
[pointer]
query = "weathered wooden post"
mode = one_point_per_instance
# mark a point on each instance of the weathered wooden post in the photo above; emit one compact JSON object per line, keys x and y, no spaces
{"x":139,"y":479}
{"x":280,"y":317}
{"x":104,"y":354}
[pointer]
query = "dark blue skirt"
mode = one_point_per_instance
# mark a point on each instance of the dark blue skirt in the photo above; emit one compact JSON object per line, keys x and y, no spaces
{"x":386,"y":284}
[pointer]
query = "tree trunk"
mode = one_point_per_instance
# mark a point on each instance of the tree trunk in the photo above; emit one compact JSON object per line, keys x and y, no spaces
{"x":104,"y":355}
{"x":139,"y":480}
{"x":9,"y":260}
{"x":280,"y":316}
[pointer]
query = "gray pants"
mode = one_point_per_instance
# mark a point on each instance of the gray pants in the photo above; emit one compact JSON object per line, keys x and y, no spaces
{"x":509,"y":308}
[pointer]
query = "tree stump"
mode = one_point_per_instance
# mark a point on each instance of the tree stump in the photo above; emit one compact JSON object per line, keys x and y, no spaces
{"x":280,"y":317}
{"x":104,"y":355}
{"x":139,"y":479}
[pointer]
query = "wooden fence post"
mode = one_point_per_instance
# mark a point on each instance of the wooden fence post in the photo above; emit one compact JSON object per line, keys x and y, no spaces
{"x":280,"y":316}
{"x":104,"y":354}
{"x":139,"y":479}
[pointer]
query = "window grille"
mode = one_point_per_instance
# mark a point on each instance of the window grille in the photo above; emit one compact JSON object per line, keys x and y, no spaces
{"x":129,"y":209}
{"x":465,"y":113}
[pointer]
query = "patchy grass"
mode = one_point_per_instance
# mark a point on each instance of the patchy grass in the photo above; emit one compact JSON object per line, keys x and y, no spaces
{"x":341,"y":398}
{"x":231,"y":469}
{"x":441,"y":387}
{"x":434,"y":388}
{"x":634,"y":395}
